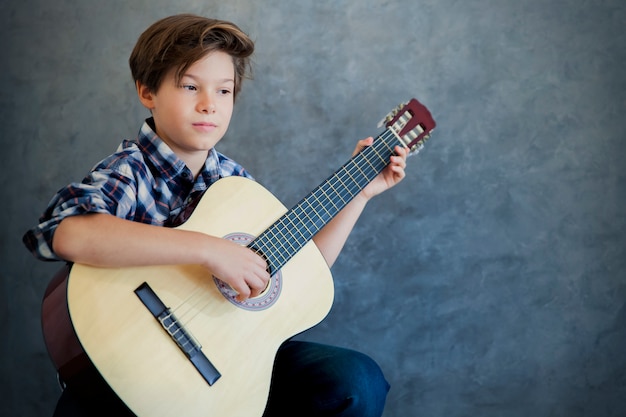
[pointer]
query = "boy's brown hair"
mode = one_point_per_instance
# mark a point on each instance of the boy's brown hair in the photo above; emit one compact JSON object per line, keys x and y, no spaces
{"x":179,"y":41}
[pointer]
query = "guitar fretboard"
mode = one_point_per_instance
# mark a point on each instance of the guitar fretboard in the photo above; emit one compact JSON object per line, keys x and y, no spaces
{"x":281,"y":241}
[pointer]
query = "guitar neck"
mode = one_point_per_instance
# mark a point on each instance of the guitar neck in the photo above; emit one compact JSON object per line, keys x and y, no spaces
{"x":281,"y":241}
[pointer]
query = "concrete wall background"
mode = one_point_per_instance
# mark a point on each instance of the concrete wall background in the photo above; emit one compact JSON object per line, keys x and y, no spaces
{"x":491,"y":282}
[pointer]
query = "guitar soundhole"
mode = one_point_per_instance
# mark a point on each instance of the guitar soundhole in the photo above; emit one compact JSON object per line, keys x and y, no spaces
{"x":266,"y":299}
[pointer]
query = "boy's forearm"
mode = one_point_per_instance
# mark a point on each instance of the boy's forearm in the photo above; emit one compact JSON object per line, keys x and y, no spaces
{"x":106,"y":240}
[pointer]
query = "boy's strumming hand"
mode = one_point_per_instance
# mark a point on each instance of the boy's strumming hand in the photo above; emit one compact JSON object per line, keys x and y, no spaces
{"x":238,"y":266}
{"x":390,"y":176}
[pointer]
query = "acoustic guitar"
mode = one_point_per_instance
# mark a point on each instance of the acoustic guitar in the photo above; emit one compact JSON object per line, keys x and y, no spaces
{"x":173,"y":340}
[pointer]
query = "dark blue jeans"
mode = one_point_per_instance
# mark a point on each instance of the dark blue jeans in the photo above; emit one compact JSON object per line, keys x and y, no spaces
{"x":309,"y":380}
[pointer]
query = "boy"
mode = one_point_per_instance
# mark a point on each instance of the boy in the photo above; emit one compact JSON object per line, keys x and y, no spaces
{"x":188,"y":71}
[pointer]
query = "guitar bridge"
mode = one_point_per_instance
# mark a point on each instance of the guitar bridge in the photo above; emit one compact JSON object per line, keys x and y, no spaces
{"x":185,"y":341}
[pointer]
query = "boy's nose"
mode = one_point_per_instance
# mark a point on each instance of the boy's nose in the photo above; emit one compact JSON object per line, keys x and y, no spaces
{"x":206,"y":104}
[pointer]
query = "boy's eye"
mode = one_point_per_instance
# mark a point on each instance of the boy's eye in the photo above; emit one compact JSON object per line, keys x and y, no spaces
{"x":189,"y":87}
{"x":224,"y":91}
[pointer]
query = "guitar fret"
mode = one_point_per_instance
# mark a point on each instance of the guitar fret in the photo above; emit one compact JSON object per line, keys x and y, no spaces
{"x":280,"y":241}
{"x":344,"y":186}
{"x":322,"y":205}
{"x":304,"y":223}
{"x":351,"y":181}
{"x":269,"y":250}
{"x":274,"y":255}
{"x":286,"y":237}
{"x":338,"y":193}
{"x":331,"y":201}
{"x":361,"y":171}
{"x":286,"y":231}
{"x":380,"y":158}
{"x":370,"y":164}
{"x":295,"y":226}
{"x":351,"y":177}
{"x":314,"y":213}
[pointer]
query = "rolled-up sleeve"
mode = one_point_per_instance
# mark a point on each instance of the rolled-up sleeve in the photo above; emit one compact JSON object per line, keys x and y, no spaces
{"x":102,"y":191}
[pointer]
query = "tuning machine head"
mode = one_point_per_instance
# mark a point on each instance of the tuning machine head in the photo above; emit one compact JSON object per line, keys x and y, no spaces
{"x":411,"y":123}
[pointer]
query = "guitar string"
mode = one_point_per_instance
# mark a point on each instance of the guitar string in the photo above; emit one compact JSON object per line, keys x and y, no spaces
{"x":346,"y":172}
{"x":352,"y":177}
{"x":193,"y":304}
{"x":357,"y":176}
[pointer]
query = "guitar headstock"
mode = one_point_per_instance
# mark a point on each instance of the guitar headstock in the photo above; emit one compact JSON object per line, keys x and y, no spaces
{"x":412,"y":123}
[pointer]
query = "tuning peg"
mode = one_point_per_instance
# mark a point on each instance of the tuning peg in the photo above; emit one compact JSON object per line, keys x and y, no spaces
{"x":391,"y":115}
{"x":415,"y":149}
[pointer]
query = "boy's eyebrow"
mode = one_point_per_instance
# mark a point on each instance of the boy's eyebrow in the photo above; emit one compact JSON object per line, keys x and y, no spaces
{"x":197,"y":78}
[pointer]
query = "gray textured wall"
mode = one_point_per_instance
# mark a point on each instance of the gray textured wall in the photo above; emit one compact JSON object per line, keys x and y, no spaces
{"x":491,"y":282}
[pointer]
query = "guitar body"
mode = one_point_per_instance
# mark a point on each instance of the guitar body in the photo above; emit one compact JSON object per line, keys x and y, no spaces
{"x":138,"y":358}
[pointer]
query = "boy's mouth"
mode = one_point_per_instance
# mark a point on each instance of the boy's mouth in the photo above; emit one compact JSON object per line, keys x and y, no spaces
{"x":205,"y":126}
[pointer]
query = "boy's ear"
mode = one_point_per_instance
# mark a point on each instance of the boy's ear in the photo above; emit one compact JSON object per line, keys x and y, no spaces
{"x":146,"y":96}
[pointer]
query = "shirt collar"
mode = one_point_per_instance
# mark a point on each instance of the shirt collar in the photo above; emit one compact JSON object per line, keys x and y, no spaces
{"x":160,"y":155}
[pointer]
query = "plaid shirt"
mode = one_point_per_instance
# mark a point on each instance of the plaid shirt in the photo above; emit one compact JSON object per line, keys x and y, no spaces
{"x":143,"y":181}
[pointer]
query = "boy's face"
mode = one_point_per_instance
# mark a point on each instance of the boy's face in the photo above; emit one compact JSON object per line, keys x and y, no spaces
{"x":193,"y":115}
